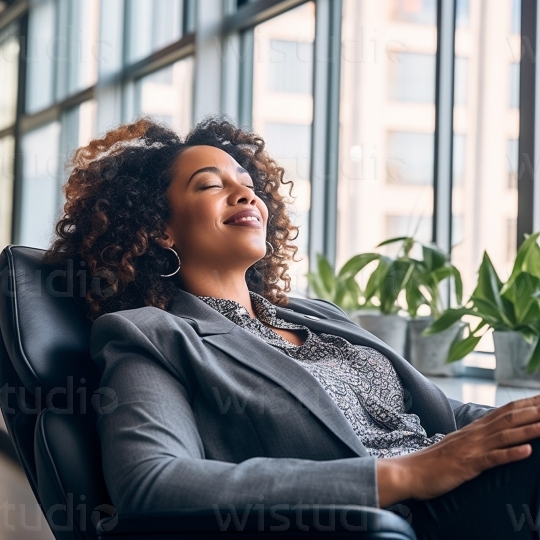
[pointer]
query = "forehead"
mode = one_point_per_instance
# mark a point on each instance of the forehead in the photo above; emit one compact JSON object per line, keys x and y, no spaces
{"x":195,"y":157}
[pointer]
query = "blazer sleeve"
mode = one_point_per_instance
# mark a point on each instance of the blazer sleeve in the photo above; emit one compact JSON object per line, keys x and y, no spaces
{"x":465,"y":413}
{"x":153,"y":455}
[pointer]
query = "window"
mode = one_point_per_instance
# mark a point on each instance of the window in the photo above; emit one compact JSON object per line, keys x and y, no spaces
{"x":290,"y":66}
{"x":152,"y":24}
{"x":462,"y":13}
{"x":511,"y":238}
{"x":41,"y":54}
{"x":40,"y":186}
{"x":458,"y":164}
{"x":76,"y":46}
{"x":7,"y":147}
{"x":387,"y":121}
{"x":415,"y":11}
{"x":290,"y":144}
{"x":111,"y":39}
{"x":9,"y":63}
{"x":78,"y":127}
{"x":420,"y":227}
{"x":410,"y":158}
{"x":412,"y":77}
{"x":417,"y":226}
{"x":460,"y":80}
{"x":512,"y":158}
{"x":514,"y":85}
{"x":63,"y":51}
{"x":515,"y":25}
{"x":166,"y":95}
{"x":283,"y":113}
{"x":288,"y":141}
{"x":486,"y":198}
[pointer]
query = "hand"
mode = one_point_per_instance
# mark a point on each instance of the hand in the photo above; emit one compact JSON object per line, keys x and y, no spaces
{"x":498,"y":437}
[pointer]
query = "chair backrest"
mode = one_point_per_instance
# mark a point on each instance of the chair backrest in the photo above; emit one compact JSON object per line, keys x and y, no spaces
{"x":48,"y":388}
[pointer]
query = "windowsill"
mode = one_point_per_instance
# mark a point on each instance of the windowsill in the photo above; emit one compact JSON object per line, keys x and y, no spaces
{"x":481,"y":360}
{"x":482,"y":391}
{"x":477,"y":384}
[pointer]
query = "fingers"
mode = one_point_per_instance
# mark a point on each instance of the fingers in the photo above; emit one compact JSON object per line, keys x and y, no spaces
{"x":512,"y":436}
{"x":515,"y":413}
{"x":522,"y":403}
{"x":513,"y":417}
{"x":505,"y":455}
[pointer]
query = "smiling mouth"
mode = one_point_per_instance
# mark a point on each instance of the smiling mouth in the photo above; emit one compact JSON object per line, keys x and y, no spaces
{"x":245,"y":218}
{"x":249,"y":221}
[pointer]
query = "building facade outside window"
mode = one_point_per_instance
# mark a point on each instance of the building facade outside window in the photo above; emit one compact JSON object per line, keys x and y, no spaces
{"x":167,"y":95}
{"x":489,"y":123}
{"x":387,"y":122}
{"x":283,"y":112}
{"x":152,"y":25}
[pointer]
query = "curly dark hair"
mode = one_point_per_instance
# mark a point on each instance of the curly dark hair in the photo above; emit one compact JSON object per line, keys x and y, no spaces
{"x":116,"y":208}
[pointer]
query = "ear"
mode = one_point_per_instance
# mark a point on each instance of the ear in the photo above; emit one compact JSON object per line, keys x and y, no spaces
{"x":165,"y":241}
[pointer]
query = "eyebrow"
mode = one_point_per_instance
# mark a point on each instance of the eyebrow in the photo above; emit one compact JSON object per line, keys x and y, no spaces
{"x":215,"y":170}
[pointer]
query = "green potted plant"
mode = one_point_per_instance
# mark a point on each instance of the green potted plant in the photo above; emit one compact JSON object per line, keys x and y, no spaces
{"x":423,"y":291}
{"x":511,"y":309}
{"x":341,"y":287}
{"x":374,"y":307}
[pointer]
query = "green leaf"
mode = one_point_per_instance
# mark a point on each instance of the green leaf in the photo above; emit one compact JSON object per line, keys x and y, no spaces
{"x":459,"y":285}
{"x":433,"y":257}
{"x":415,"y":299}
{"x":488,"y":291}
{"x":520,"y":264}
{"x":373,"y":286}
{"x":462,"y":347}
{"x":534,"y":360}
{"x":533,"y":262}
{"x":326,"y":274}
{"x":356,"y":263}
{"x":395,"y":280}
{"x":521,"y":296}
{"x":347,"y":294}
{"x":447,"y":319}
{"x":315,"y":282}
{"x":394,"y":240}
{"x":489,"y":284}
{"x":488,"y":310}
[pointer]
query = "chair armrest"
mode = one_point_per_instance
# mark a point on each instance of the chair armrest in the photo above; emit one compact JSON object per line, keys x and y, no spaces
{"x":283,"y":521}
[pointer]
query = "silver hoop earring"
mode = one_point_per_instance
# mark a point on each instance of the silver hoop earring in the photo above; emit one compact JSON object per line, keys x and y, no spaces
{"x":179,"y":264}
{"x":271,"y":247}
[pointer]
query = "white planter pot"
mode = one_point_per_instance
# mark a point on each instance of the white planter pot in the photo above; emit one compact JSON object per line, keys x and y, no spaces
{"x":428,"y":353}
{"x":511,"y":352}
{"x":392,"y":329}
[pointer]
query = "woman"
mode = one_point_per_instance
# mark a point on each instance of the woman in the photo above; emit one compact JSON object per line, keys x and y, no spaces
{"x":229,"y":392}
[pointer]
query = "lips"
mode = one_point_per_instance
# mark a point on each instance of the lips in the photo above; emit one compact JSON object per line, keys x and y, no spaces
{"x":249,"y":218}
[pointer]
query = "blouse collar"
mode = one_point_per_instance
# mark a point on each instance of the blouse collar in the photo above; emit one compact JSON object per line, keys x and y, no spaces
{"x":236,"y":312}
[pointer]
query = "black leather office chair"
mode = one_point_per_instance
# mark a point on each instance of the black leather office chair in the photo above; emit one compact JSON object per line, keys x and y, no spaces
{"x":49,"y":388}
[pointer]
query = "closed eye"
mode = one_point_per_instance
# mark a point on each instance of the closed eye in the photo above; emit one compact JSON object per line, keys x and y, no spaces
{"x":207,"y":187}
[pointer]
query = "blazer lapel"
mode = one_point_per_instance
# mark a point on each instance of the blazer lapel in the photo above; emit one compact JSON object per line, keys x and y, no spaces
{"x":423,"y":397}
{"x":241,"y":345}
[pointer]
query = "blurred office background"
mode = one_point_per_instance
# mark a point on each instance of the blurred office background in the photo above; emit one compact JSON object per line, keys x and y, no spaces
{"x":391,"y":117}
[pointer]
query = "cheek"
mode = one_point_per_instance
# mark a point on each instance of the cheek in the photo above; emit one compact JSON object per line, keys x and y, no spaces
{"x":198,"y":217}
{"x":264,"y":211}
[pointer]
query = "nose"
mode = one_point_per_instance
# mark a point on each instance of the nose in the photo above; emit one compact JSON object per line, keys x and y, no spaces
{"x":242,"y":194}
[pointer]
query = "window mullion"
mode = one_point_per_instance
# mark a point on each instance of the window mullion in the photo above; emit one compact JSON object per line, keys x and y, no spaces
{"x":325,"y":130}
{"x":444,"y":129}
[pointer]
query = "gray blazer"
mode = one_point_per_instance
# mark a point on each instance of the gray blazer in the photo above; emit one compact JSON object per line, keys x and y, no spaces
{"x":203,"y":413}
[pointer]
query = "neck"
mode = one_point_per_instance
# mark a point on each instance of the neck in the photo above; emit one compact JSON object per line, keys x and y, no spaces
{"x":228,"y":284}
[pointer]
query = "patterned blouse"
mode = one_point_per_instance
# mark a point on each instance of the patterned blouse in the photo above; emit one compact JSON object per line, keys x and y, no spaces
{"x":361,"y":380}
